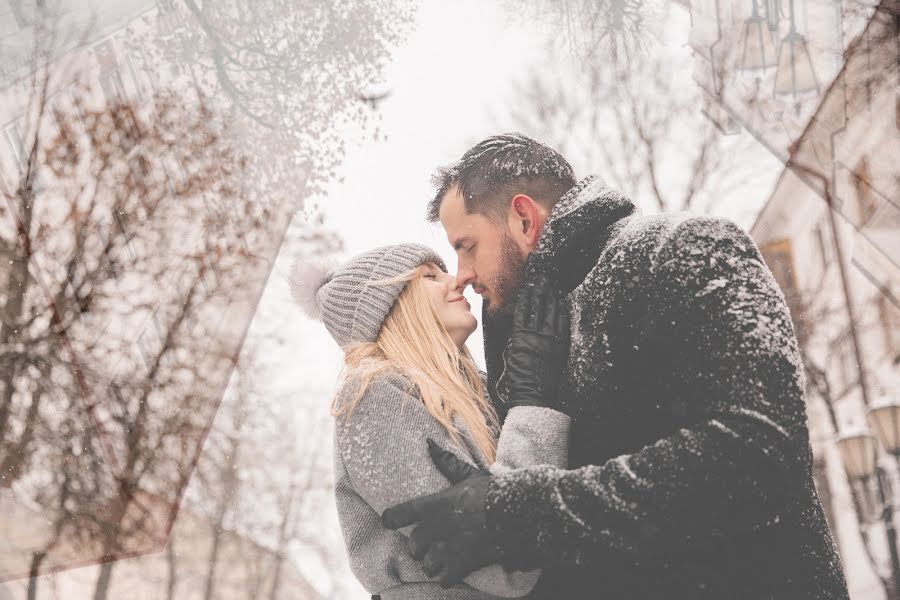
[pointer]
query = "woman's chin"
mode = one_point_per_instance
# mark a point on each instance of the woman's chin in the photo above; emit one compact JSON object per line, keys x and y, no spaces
{"x":472,"y":325}
{"x":463,"y":329}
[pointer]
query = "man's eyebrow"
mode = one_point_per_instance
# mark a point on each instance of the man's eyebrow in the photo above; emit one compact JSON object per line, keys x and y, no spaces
{"x":460,"y":241}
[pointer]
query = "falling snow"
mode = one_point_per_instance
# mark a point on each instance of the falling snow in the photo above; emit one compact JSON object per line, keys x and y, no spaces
{"x":689,"y":424}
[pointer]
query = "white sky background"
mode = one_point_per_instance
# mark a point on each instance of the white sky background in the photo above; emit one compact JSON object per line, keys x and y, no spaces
{"x":455,"y":71}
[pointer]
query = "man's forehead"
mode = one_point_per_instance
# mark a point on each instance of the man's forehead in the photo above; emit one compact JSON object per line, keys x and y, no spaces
{"x":458,"y":224}
{"x":461,"y":227}
{"x":453,"y":208}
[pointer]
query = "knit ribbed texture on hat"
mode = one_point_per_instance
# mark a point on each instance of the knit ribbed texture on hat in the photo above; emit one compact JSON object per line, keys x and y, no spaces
{"x":351,"y":308}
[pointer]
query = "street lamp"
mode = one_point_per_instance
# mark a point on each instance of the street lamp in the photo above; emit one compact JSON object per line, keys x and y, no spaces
{"x":857,"y":450}
{"x":884,"y":419}
{"x":758,"y":49}
{"x":795,"y":73}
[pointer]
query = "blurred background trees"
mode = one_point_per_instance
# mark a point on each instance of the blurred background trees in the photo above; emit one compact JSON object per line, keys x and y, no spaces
{"x":154,"y":156}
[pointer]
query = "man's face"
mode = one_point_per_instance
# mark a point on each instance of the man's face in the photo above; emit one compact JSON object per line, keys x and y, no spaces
{"x":489,"y":259}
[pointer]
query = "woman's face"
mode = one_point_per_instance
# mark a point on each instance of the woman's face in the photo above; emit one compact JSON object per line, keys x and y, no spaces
{"x":452,"y":308}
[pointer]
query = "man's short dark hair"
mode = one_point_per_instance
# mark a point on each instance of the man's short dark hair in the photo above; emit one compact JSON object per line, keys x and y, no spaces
{"x":496,"y":168}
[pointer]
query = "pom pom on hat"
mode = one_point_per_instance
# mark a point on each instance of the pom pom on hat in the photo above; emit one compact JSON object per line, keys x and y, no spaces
{"x":305,"y":279}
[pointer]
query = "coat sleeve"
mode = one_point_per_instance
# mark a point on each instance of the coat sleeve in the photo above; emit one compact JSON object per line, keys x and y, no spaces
{"x":382,"y":443}
{"x":532,"y":435}
{"x":733,"y":468}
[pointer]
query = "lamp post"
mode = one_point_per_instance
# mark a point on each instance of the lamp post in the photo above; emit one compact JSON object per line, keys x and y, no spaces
{"x":758,"y":48}
{"x":884,"y":419}
{"x":858,"y":450}
{"x":858,"y":453}
{"x":795,"y":73}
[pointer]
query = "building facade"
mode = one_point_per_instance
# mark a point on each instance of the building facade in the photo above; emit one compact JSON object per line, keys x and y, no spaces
{"x":816,"y":82}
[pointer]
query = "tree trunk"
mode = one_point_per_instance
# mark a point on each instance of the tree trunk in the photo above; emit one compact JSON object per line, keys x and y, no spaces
{"x":213,"y":559}
{"x":17,"y":288}
{"x":172,"y":561}
{"x":103,"y":580}
{"x":36,"y":559}
{"x":276,"y":581}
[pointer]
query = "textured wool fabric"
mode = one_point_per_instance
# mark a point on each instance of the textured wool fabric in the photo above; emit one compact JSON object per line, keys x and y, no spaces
{"x":353,"y":309}
{"x":691,"y":465}
{"x":381,"y":459}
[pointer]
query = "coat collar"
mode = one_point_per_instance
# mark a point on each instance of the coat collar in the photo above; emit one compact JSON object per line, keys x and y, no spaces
{"x":577,"y":231}
{"x":570,"y":245}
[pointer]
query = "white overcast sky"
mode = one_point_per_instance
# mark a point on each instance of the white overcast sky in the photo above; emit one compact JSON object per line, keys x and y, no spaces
{"x":454,"y":71}
{"x":457,"y":64}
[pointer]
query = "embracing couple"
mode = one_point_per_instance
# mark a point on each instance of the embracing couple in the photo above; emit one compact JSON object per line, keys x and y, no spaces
{"x":640,"y":432}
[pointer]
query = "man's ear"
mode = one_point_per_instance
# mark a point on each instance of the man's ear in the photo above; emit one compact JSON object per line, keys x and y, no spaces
{"x":527,"y":219}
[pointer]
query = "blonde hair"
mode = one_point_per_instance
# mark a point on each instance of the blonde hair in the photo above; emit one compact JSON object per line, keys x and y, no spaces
{"x":414,"y":342}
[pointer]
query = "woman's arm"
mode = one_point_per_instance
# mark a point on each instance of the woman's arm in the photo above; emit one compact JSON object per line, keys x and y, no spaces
{"x":532,"y":435}
{"x":383,"y":447}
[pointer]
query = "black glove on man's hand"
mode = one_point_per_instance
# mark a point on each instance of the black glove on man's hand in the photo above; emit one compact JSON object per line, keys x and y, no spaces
{"x":538,"y":349}
{"x":452,"y":535}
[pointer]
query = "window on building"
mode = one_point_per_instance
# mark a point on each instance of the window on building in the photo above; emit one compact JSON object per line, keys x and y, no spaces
{"x":843,"y":371}
{"x":112,"y":86}
{"x":865,"y":196}
{"x":779,"y":258}
{"x":825,"y":243}
{"x":110,"y":77}
{"x":14,"y":138}
{"x":139,"y":85}
{"x":889,"y":318}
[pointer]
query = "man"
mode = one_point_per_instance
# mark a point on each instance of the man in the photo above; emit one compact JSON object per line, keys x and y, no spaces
{"x":690,"y":465}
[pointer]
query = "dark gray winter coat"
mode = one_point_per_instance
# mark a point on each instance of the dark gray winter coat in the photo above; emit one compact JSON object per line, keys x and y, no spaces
{"x":689,"y":423}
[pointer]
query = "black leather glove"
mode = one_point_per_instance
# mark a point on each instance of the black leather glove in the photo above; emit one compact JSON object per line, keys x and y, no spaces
{"x":452,"y":535}
{"x":538,"y":349}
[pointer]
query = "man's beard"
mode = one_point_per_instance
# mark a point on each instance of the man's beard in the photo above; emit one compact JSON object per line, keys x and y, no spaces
{"x":509,"y":278}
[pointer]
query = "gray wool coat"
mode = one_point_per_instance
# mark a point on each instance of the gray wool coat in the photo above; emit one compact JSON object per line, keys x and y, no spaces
{"x":381,"y":459}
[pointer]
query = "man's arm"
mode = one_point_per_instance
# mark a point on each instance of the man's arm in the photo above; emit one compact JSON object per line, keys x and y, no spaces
{"x":732,"y":471}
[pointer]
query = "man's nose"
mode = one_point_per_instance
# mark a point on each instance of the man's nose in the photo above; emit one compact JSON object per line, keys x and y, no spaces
{"x":464,"y":277}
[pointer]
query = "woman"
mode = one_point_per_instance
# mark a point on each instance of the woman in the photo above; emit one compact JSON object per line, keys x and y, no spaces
{"x":402,"y":322}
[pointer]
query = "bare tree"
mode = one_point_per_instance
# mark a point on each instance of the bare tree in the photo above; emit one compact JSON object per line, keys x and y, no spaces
{"x":618,"y":30}
{"x":291,"y":74}
{"x":217,"y":472}
{"x":635,"y":124}
{"x":135,"y":259}
{"x":261,"y":479}
{"x":129,"y":244}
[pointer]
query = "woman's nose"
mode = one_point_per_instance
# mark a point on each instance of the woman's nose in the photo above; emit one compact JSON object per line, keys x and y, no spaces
{"x":456,"y":284}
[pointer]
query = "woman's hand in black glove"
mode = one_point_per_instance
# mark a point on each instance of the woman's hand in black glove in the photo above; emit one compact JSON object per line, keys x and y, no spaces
{"x":538,"y":349}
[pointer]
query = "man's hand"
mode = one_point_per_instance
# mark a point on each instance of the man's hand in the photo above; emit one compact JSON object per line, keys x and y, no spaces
{"x":452,"y":535}
{"x":538,"y":349}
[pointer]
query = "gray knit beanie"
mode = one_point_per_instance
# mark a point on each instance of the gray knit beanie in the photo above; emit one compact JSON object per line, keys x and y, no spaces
{"x":338,"y":295}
